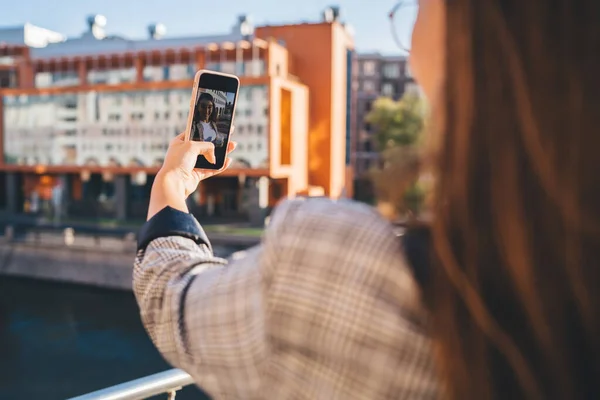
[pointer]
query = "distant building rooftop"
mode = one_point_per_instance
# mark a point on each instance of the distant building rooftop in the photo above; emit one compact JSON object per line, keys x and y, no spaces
{"x":379,"y":56}
{"x":29,"y":35}
{"x":46,"y":44}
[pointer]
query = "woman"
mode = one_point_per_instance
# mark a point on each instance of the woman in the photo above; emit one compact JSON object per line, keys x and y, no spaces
{"x":327,"y":307}
{"x":204,"y":125}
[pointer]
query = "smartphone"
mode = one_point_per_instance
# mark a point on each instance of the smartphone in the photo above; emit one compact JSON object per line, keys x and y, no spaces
{"x":212,"y":108}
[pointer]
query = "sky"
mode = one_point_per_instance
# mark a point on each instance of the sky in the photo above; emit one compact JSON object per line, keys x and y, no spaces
{"x":130,"y":18}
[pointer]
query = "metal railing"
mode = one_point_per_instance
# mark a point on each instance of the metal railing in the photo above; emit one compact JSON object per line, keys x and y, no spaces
{"x":75,"y":238}
{"x":167,"y":382}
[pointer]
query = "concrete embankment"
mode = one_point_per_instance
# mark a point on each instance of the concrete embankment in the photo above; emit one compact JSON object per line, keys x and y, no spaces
{"x":104,"y":262}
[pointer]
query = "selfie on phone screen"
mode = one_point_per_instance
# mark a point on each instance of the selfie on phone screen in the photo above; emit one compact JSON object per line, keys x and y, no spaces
{"x":212,"y":109}
{"x":212,"y":118}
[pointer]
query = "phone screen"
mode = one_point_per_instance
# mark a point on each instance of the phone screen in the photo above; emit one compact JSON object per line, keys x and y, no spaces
{"x":212,"y":115}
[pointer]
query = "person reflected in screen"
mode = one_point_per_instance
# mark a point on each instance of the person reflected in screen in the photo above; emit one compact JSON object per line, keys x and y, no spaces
{"x":204,"y":125}
{"x":494,"y":296}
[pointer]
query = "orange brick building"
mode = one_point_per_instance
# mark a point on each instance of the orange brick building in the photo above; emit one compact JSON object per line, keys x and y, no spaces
{"x":84,"y":122}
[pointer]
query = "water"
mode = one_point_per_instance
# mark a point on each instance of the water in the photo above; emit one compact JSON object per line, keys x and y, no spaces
{"x":60,"y":340}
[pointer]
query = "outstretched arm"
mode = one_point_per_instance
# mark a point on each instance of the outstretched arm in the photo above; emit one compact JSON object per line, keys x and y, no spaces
{"x":205,"y":315}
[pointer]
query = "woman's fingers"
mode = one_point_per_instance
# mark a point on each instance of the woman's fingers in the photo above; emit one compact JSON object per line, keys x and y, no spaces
{"x":227,"y":164}
{"x":206,"y":149}
{"x":231,"y":147}
{"x":179,"y":138}
{"x":207,"y":173}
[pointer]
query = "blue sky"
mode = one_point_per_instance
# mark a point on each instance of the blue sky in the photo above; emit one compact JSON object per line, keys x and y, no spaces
{"x":184,"y":17}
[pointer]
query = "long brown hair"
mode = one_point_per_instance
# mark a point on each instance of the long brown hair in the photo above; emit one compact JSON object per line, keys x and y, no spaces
{"x":515,"y":297}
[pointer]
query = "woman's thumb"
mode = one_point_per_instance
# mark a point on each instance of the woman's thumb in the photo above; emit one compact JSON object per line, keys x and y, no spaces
{"x":206,"y":149}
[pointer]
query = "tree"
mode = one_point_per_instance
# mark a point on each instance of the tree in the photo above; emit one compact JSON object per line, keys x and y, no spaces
{"x":398,"y":127}
{"x":397,"y":123}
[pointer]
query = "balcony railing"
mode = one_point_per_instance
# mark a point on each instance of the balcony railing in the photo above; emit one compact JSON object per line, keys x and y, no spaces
{"x":167,"y":382}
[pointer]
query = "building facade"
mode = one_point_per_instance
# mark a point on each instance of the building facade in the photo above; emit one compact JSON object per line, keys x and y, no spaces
{"x":376,"y":75}
{"x":93,"y":116}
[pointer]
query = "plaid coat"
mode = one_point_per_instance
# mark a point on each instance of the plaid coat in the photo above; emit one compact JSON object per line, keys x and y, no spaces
{"x":324,"y":308}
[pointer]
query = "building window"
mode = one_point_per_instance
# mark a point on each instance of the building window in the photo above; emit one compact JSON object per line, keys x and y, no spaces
{"x":369,"y":68}
{"x":407,"y":71}
{"x":111,"y":76}
{"x":391,"y":70}
{"x":213,"y":66}
{"x":153,"y":73}
{"x":60,"y":78}
{"x":387,"y":89}
{"x":7,"y":78}
{"x":180,"y":72}
{"x":412,"y":89}
{"x":368,"y":86}
{"x":228,"y":67}
{"x":259,"y":129}
{"x":248,"y":112}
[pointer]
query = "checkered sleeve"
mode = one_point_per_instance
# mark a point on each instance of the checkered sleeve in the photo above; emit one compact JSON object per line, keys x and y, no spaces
{"x":206,"y":315}
{"x":324,"y":308}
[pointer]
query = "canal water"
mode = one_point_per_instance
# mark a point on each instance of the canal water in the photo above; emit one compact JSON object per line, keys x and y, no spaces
{"x":61,"y":340}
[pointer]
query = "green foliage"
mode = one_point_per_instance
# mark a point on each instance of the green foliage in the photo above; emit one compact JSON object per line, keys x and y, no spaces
{"x":414,"y":198}
{"x":398,"y":127}
{"x":396,"y":123}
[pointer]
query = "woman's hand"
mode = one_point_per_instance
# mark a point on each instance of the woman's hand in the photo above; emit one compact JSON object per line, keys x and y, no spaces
{"x":178,"y":177}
